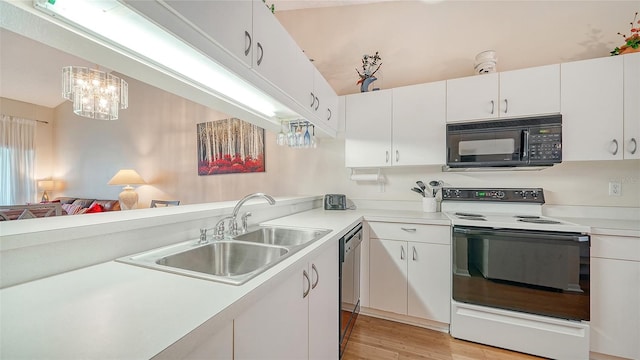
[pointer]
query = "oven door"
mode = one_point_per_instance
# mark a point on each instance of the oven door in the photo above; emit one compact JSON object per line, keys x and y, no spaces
{"x":539,"y":272}
{"x":468,"y":146}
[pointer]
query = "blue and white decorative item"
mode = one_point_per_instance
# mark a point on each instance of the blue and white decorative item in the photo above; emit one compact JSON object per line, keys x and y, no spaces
{"x":369,"y":68}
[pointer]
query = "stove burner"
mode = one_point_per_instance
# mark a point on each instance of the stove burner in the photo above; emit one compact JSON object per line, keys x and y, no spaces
{"x":539,"y":221}
{"x":461,"y":214}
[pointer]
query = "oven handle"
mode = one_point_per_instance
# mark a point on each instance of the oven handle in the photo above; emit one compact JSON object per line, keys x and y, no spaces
{"x":524,"y":234}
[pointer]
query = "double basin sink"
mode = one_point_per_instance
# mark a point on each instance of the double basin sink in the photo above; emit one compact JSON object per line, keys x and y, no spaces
{"x":233,"y":260}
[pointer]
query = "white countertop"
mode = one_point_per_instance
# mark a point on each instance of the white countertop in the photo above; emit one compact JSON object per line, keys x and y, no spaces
{"x":115,"y":310}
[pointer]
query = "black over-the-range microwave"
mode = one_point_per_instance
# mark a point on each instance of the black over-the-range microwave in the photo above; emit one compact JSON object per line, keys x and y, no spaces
{"x":531,"y":141}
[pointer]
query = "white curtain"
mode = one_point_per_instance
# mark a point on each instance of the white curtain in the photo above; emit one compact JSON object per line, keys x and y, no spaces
{"x":17,"y":161}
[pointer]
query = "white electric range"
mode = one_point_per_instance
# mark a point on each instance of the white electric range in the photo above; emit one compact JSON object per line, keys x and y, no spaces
{"x":520,"y":279}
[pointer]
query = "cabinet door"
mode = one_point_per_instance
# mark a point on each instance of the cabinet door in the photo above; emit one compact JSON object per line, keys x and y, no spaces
{"x":592,"y":109}
{"x":226,"y":22}
{"x":419,"y":124}
{"x":530,"y":91}
{"x":388,"y":275}
{"x":278,"y":58}
{"x":472,"y":98}
{"x":368,"y":129}
{"x":325,"y":101}
{"x":277,"y":325}
{"x":615,"y":313}
{"x":323,"y":305}
{"x":631,"y":106}
{"x":429,"y":287}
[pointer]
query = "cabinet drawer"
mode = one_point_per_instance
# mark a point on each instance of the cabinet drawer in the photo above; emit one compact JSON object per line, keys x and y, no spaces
{"x":411,"y":232}
{"x":615,"y":247}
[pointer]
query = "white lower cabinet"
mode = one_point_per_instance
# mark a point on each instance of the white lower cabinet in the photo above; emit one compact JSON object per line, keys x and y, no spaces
{"x":615,"y":296}
{"x":409,"y":270}
{"x":299,"y":317}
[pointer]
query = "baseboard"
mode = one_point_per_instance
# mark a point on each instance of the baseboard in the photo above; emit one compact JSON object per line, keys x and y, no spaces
{"x":405,"y":319}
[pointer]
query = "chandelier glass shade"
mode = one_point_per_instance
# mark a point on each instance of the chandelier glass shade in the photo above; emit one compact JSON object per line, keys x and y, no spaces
{"x":94,"y":93}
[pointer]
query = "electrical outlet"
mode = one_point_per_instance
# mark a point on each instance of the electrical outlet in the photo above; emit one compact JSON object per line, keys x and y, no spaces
{"x":615,"y":188}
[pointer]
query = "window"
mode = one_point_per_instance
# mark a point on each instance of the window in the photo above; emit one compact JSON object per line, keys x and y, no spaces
{"x":17,"y":160}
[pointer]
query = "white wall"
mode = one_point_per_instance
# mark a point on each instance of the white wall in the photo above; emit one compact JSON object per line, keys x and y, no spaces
{"x":157,"y":137}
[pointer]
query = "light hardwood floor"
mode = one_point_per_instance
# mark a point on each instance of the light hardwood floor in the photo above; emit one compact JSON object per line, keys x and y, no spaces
{"x":377,"y":339}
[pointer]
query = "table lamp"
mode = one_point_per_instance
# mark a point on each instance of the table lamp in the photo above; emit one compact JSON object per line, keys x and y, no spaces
{"x":128,"y":197}
{"x":46,"y":185}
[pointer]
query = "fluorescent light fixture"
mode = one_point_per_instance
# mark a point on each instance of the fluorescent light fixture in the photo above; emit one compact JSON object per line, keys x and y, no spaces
{"x":120,"y":25}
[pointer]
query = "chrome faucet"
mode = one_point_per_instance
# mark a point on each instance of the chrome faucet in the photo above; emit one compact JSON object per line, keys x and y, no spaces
{"x":234,"y":224}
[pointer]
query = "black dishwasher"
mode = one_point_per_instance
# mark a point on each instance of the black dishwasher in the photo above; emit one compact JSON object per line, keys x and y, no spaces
{"x":349,"y":291}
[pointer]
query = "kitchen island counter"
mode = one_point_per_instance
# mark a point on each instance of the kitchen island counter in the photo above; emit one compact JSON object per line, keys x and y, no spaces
{"x":115,"y":310}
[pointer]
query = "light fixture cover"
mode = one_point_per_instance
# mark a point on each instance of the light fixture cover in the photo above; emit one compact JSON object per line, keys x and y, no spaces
{"x":95,"y":94}
{"x":126,"y":177}
{"x":46,"y":185}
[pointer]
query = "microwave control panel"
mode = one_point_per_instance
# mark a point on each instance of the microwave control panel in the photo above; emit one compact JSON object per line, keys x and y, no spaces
{"x":545,"y":144}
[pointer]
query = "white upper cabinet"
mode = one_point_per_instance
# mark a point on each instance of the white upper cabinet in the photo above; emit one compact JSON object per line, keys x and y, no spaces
{"x":277,"y":57}
{"x":592,"y":109}
{"x":368,"y":129}
{"x":228,"y":23}
{"x":631,"y":106}
{"x":324,"y":102}
{"x":508,"y":94}
{"x":246,"y":38}
{"x":474,"y":97}
{"x":530,"y":91}
{"x":401,"y":126}
{"x":419,"y":125}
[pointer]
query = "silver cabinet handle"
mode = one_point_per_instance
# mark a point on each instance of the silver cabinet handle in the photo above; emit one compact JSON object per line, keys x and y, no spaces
{"x":329,"y":112}
{"x":387,"y":153}
{"x":317,"y":104}
{"x":315,"y":270}
{"x":635,"y":145}
{"x":415,"y":254}
{"x":305,"y":292}
{"x":402,"y":252}
{"x":409,"y":229}
{"x":493,"y":106}
{"x":262,"y":55}
{"x":397,"y":156}
{"x":247,"y":36}
{"x":313,"y":100}
{"x":506,"y":105}
{"x":615,"y":142}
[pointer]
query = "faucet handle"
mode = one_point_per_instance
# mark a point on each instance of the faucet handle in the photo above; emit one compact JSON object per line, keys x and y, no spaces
{"x":203,"y":236}
{"x":244,"y":221}
{"x":220,"y":227}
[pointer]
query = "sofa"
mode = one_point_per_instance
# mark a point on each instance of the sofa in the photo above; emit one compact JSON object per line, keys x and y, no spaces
{"x":75,"y":206}
{"x":57,"y":207}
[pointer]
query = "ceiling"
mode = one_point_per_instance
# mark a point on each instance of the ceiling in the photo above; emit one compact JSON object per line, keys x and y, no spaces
{"x":31,"y":71}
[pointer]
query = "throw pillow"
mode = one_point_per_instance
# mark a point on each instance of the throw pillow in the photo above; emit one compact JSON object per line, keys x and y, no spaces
{"x":94,"y":208}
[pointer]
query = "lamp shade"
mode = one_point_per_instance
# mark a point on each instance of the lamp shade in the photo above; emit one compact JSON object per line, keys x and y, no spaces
{"x":46,"y":185}
{"x":127,"y":177}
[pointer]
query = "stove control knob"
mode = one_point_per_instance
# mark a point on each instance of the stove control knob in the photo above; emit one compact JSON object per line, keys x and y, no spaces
{"x":500,"y":194}
{"x":457,"y":193}
{"x":535,"y":194}
{"x":524,"y":194}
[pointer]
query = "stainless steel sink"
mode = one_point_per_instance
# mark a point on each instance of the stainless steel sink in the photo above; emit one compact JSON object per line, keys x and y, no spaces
{"x":232,"y":261}
{"x":282,"y":236}
{"x":224,"y":258}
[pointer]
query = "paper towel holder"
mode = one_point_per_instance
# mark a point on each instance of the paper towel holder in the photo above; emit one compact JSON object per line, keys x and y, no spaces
{"x":368,"y":175}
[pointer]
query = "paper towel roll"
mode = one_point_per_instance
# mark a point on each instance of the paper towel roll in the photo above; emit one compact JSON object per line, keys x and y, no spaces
{"x":365,"y":177}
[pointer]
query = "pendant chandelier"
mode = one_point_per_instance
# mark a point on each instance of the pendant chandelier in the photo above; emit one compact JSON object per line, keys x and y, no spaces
{"x":94,"y":93}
